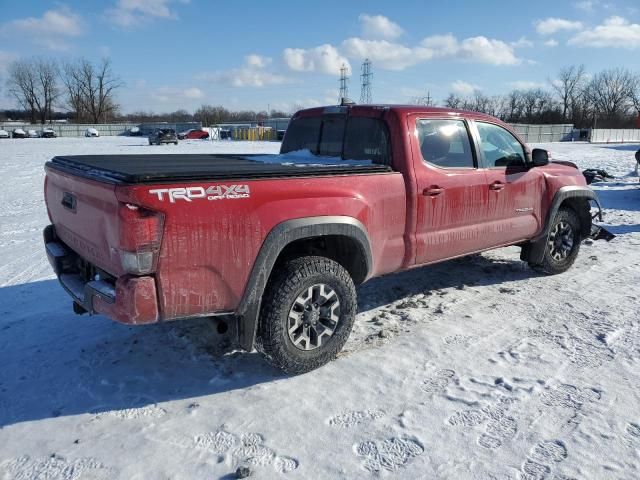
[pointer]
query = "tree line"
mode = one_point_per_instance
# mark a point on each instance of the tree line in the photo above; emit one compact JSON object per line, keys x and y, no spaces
{"x":207,"y":114}
{"x":608,"y":99}
{"x":87,"y":92}
{"x":41,"y":85}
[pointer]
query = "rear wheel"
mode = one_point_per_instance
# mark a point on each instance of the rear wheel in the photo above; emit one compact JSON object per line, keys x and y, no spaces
{"x":308,"y":310}
{"x":563,"y":243}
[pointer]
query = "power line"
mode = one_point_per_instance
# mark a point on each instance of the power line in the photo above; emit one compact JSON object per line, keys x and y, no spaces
{"x":365,"y":88}
{"x":344,"y":88}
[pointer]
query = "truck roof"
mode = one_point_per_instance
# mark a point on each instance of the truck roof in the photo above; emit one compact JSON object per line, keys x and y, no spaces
{"x":398,"y":108}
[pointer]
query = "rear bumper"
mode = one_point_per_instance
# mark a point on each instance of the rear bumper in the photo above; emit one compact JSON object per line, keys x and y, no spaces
{"x":130,"y":300}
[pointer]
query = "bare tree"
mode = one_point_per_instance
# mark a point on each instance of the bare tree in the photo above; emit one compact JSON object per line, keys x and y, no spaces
{"x":568,"y":86}
{"x":33,"y":83}
{"x":635,"y":93}
{"x":453,"y":101}
{"x":610,"y":92}
{"x":91,"y":90}
{"x":425,"y":100}
{"x":514,"y":106}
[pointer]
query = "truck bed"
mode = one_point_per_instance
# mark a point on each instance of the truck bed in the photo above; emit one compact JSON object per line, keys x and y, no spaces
{"x":141,"y":169}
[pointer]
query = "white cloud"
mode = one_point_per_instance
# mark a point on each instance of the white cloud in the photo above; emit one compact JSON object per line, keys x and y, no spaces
{"x":323,"y":59}
{"x":379,"y":26}
{"x":522,"y":42}
{"x":251,"y":74}
{"x":5,"y":59}
{"x":395,"y":56}
{"x":385,"y":54}
{"x":175,"y":95}
{"x":614,"y":32}
{"x":464,"y":88}
{"x":585,"y":6}
{"x":257,"y":61}
{"x":51,"y":30}
{"x":193,"y":93}
{"x":131,"y":13}
{"x":525,"y":85}
{"x":551,"y":25}
{"x":551,"y":42}
{"x":486,"y":50}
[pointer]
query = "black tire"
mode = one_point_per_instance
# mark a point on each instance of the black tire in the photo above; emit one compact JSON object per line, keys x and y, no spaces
{"x":293,"y":280}
{"x":558,"y":254}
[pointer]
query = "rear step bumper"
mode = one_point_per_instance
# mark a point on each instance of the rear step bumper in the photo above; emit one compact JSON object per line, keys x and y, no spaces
{"x":132,"y":300}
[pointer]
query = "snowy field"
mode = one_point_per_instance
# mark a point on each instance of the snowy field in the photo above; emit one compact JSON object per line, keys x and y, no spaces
{"x":472,"y":369}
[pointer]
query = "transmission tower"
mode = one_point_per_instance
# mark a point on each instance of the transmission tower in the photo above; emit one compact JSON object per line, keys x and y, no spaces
{"x":367,"y":75}
{"x":344,"y":89}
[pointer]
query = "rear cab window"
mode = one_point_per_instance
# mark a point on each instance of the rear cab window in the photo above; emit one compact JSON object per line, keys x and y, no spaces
{"x":342,"y":136}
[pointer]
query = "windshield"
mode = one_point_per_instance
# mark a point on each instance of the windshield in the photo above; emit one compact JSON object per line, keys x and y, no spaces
{"x":348,"y":138}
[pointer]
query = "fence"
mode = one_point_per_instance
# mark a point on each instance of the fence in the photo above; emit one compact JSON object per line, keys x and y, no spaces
{"x":544,"y":133}
{"x":104,"y":129}
{"x":73,"y":129}
{"x":615,"y":135}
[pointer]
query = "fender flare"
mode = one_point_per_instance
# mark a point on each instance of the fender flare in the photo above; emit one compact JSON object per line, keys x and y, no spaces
{"x":278,"y":238}
{"x":535,"y":251}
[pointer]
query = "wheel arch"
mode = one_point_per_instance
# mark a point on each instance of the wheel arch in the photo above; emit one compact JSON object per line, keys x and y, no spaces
{"x":578,"y":198}
{"x":340,"y":238}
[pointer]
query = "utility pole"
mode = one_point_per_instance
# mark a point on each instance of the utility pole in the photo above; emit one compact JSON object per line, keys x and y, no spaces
{"x":365,"y":88}
{"x":344,"y":89}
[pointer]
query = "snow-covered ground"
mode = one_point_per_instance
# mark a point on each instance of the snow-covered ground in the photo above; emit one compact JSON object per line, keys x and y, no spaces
{"x":476,"y":368}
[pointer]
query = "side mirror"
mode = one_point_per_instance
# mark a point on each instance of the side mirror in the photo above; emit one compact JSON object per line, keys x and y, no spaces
{"x":540,"y":157}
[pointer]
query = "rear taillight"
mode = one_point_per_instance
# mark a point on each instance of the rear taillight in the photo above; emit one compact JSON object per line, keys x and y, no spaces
{"x":140,"y":236}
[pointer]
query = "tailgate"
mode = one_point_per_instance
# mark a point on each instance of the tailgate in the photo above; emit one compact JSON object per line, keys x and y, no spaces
{"x":85,"y":216}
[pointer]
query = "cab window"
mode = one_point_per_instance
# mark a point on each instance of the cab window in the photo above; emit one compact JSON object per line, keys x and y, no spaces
{"x":445,"y":143}
{"x":500,"y":148}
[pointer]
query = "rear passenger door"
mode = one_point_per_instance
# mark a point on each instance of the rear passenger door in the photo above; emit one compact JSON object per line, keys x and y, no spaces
{"x":452,"y":190}
{"x":515,"y":190}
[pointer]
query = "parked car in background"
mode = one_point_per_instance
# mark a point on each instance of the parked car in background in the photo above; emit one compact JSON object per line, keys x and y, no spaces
{"x":225,"y":134}
{"x":163,"y":135}
{"x":32,"y":134}
{"x":18,"y":133}
{"x":280,"y":135}
{"x":91,"y":132}
{"x":135,"y":132}
{"x":4,"y":134}
{"x":194,"y":134}
{"x":48,"y":133}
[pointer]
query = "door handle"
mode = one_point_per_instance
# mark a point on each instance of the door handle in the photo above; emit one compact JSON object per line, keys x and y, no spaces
{"x":432,"y":191}
{"x":496,"y":186}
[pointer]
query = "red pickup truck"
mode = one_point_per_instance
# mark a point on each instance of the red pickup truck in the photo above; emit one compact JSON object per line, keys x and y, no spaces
{"x":279,"y":242}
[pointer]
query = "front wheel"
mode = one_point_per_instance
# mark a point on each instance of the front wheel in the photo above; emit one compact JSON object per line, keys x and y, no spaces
{"x":307,"y":313}
{"x":563,"y":243}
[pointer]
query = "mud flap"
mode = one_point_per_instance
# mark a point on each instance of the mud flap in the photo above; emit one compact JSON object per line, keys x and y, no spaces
{"x":601,"y":233}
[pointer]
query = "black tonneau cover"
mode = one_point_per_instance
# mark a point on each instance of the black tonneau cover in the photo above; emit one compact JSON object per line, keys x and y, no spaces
{"x":176,"y":167}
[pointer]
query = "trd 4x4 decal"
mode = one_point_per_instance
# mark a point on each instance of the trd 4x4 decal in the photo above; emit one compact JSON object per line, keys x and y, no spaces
{"x":214,"y":192}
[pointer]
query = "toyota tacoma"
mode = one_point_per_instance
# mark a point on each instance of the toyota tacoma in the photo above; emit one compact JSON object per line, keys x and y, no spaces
{"x":278,"y":243}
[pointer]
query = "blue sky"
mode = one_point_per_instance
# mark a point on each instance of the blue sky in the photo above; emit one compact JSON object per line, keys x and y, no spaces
{"x":182,"y":53}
